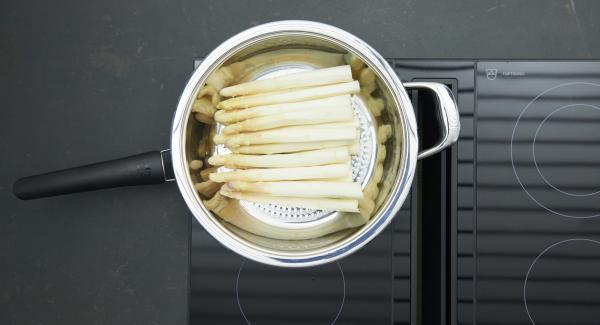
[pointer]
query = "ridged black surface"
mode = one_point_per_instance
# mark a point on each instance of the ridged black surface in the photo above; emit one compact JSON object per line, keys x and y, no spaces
{"x":563,"y":286}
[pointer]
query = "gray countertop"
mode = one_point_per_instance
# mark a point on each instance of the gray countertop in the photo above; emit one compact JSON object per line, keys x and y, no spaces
{"x":89,"y":81}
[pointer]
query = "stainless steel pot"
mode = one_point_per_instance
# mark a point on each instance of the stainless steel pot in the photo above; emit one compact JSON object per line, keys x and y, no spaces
{"x":399,"y":165}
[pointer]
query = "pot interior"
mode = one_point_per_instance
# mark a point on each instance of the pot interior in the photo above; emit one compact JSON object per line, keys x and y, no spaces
{"x":293,"y":45}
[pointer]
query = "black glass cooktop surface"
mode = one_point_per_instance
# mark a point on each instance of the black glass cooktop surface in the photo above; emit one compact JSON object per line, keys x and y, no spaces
{"x":503,"y":228}
{"x":538,"y":193}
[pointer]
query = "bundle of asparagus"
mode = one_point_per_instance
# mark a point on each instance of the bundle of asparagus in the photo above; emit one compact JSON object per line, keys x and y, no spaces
{"x":292,"y":138}
{"x":208,"y":97}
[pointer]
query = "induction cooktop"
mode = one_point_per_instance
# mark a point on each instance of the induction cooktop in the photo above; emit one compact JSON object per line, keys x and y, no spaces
{"x":502,"y":228}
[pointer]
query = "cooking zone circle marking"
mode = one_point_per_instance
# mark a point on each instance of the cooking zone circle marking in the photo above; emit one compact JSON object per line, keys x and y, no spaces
{"x":535,"y":139}
{"x":537,"y":258}
{"x":239,"y":303}
{"x":512,"y":150}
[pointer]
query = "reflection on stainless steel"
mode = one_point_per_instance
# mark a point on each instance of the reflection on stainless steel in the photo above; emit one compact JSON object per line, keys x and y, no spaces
{"x":526,"y":205}
{"x":447,"y":115}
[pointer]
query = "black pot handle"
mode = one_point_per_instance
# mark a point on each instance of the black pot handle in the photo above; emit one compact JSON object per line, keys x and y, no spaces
{"x":152,"y":167}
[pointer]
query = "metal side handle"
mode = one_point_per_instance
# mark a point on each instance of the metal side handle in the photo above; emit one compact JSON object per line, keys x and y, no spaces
{"x":447,"y":115}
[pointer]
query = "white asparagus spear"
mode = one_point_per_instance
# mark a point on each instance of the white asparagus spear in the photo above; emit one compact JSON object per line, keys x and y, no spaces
{"x":229,"y":210}
{"x":347,"y":178}
{"x":284,"y":135}
{"x":227,"y":117}
{"x":375,"y":105}
{"x":378,"y":174}
{"x":204,"y":110}
{"x":290,"y":96}
{"x":282,"y":174}
{"x":356,"y":64}
{"x":384,"y":132}
{"x":355,"y":147}
{"x":225,"y":75}
{"x":346,"y":205}
{"x":312,"y":189}
{"x":302,"y":159}
{"x":316,"y":58}
{"x":381,"y":153}
{"x":366,"y":77}
{"x":203,"y":118}
{"x":385,"y":187}
{"x":208,"y":188}
{"x":366,"y":206}
{"x":195,"y":164}
{"x":371,"y":190}
{"x":325,"y":115}
{"x":367,"y":89}
{"x":315,"y":238}
{"x":203,"y":105}
{"x":239,"y":71}
{"x":267,"y":149}
{"x":204,"y":173}
{"x":355,"y":123}
{"x":216,"y":203}
{"x":281,"y":134}
{"x":302,"y":79}
{"x":211,"y":93}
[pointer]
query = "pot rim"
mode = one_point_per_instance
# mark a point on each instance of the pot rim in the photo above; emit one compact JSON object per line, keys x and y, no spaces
{"x":398,"y":191}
